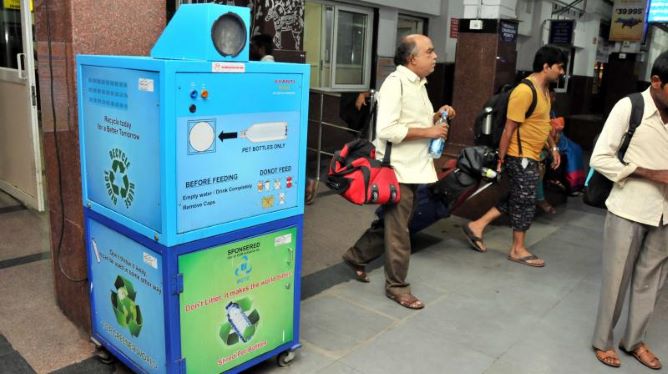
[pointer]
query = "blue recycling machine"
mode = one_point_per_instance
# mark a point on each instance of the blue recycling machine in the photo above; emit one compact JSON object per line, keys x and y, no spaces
{"x":193,"y":172}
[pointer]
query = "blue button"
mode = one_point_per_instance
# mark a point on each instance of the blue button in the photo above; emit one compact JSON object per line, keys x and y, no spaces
{"x":193,"y":94}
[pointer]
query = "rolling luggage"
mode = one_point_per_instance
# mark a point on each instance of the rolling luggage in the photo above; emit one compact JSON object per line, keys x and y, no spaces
{"x":457,"y":182}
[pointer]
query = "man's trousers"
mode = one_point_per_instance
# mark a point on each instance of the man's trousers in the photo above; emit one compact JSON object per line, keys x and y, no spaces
{"x":635,"y":254}
{"x":394,"y":240}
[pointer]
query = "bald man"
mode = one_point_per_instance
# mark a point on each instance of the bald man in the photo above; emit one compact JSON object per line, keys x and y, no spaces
{"x":406,"y":119}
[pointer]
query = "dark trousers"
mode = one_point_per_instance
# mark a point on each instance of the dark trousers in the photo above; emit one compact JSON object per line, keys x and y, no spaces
{"x":520,"y":203}
{"x":393,"y":239}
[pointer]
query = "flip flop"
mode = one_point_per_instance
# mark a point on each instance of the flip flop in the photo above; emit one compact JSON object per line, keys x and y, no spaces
{"x":546,"y":207}
{"x":525,"y":260}
{"x":406,"y":300}
{"x":359,"y":271}
{"x":472,"y":239}
{"x":605,"y":358}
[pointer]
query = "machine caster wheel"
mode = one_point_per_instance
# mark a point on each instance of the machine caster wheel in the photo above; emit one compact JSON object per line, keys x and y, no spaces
{"x":285,"y":358}
{"x":104,"y":356}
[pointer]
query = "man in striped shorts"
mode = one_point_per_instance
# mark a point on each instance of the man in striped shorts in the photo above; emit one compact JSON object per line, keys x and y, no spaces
{"x":522,"y":141}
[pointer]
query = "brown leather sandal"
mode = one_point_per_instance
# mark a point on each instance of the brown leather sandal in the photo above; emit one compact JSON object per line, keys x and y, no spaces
{"x":406,"y":300}
{"x":360,"y":271}
{"x":608,"y":357}
{"x":645,"y":356}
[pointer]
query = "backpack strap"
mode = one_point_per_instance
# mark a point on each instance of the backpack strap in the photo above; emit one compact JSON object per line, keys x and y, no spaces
{"x":637,"y":110}
{"x":534,"y":97}
{"x":529,"y":112}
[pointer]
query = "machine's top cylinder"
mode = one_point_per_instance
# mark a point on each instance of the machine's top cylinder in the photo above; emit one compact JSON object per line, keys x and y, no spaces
{"x":208,"y":32}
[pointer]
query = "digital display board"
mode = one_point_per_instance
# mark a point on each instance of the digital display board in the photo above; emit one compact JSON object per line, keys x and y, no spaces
{"x":658,"y":11}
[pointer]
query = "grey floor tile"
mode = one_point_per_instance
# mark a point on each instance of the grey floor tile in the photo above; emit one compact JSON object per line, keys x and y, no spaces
{"x":565,"y":332}
{"x":337,"y":326}
{"x":405,"y":349}
{"x":5,"y":347}
{"x":372,"y":295}
{"x":578,"y":237}
{"x":326,"y":236}
{"x":574,"y":218}
{"x":15,"y":364}
{"x":476,"y":274}
{"x":487,"y":323}
{"x":307,"y":361}
{"x":542,"y":354}
{"x":91,"y":365}
{"x":339,"y":368}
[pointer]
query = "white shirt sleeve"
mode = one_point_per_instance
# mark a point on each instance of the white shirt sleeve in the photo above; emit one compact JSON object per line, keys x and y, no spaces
{"x":604,"y":157}
{"x":388,"y":127}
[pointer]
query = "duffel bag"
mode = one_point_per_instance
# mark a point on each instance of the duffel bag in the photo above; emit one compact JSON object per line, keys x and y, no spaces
{"x":356,"y":175}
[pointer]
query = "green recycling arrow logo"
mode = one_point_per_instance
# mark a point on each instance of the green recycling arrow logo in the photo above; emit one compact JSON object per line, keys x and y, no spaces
{"x":116,"y":179}
{"x":241,"y":324}
{"x":128,"y":314}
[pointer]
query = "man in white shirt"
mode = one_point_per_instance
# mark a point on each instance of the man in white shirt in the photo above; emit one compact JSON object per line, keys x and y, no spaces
{"x":635,"y":244}
{"x":405,"y":118}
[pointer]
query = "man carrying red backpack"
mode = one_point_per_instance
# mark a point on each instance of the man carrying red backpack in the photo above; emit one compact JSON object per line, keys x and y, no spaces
{"x":405,"y":119}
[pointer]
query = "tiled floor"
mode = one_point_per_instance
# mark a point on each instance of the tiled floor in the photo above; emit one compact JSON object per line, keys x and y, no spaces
{"x":484,"y":314}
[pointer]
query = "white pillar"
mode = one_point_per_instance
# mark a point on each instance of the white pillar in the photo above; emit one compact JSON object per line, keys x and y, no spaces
{"x":490,"y":9}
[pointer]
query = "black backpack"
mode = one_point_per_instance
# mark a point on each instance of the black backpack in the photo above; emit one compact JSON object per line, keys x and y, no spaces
{"x":499,"y":105}
{"x":598,"y":187}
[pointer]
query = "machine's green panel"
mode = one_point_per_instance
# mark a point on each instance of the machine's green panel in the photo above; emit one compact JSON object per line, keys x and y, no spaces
{"x":237,"y":301}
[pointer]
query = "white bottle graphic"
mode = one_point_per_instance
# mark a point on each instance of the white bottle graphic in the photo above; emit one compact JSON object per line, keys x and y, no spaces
{"x":265,"y":132}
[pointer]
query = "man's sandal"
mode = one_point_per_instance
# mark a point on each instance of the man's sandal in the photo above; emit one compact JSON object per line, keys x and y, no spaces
{"x":608,"y":357}
{"x":406,"y":300}
{"x":526,"y":260}
{"x":359,"y":271}
{"x":645,"y":356}
{"x":475,"y":242}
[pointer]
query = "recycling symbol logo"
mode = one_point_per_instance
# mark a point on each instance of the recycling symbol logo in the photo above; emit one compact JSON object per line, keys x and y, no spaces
{"x":242,"y":321}
{"x":244,"y":268}
{"x":117,"y":179}
{"x":128,"y":314}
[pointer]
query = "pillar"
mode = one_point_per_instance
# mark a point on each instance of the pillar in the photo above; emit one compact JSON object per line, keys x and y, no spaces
{"x":64,"y":29}
{"x":485,"y":60}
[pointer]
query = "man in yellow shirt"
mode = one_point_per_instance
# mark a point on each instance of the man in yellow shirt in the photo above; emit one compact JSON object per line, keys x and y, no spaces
{"x":519,"y":153}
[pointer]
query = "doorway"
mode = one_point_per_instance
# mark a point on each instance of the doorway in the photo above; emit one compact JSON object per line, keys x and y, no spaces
{"x":21,"y":173}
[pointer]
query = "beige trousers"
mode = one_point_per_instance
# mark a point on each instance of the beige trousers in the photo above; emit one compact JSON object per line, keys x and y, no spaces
{"x":633,"y":254}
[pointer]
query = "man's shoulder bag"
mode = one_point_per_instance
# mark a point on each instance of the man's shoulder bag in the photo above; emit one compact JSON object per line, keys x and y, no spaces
{"x":361,"y":179}
{"x":598,"y":187}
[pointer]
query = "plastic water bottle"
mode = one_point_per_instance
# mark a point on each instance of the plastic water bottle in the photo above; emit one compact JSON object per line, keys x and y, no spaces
{"x":488,"y":173}
{"x":436,"y":146}
{"x":487,"y":123}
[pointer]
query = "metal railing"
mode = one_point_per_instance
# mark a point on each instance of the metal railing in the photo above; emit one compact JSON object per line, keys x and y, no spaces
{"x":321,"y":123}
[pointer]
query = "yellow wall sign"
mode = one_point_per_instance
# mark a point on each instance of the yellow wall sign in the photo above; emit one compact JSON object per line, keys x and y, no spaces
{"x":628,"y":20}
{"x":14,"y":4}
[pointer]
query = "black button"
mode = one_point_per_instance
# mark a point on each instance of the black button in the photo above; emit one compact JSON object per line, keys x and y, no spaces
{"x":193,"y":108}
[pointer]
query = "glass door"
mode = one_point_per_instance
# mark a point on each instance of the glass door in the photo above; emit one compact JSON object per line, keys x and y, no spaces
{"x":20,"y":148}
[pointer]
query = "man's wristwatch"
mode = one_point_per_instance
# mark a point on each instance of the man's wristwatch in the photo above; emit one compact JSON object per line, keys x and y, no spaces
{"x":555,"y":149}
